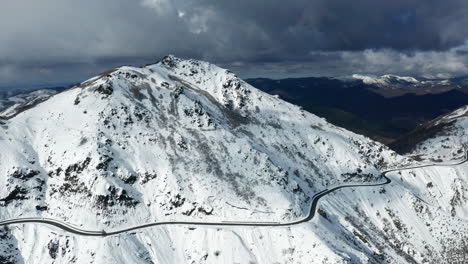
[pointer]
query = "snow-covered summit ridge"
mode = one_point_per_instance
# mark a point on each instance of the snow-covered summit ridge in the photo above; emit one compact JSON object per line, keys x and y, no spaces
{"x":176,"y":73}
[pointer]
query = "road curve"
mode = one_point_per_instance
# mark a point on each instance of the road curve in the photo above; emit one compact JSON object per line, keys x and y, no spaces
{"x":315,"y":199}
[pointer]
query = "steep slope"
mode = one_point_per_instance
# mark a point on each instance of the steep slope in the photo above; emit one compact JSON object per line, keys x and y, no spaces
{"x":186,"y":140}
{"x":442,"y":138}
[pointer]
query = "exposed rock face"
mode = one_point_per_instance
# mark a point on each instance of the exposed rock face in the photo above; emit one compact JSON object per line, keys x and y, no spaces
{"x":186,"y":140}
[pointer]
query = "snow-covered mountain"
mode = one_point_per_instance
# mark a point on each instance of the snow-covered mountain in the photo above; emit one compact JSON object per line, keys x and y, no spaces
{"x":184,"y":140}
{"x":443,"y":138}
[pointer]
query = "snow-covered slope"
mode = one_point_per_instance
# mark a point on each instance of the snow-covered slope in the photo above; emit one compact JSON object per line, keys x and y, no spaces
{"x":443,"y":138}
{"x":12,"y":104}
{"x":452,"y":137}
{"x":186,"y":140}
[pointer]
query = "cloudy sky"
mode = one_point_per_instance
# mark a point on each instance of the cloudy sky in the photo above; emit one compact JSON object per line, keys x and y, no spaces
{"x":57,"y":41}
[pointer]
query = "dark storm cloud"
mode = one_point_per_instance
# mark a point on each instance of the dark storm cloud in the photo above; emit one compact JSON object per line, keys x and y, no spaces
{"x":60,"y":40}
{"x":278,"y":29}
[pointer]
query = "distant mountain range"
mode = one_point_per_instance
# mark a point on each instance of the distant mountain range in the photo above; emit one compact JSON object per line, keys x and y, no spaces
{"x":383,"y":108}
{"x":392,"y":85}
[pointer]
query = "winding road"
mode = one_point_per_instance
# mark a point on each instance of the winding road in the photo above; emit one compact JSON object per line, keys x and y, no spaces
{"x":315,"y":199}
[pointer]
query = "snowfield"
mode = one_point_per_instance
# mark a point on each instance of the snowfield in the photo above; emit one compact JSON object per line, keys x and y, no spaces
{"x":184,"y":140}
{"x":9,"y":105}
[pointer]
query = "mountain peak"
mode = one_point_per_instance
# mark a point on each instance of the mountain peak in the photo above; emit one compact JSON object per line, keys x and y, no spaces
{"x":170,"y":59}
{"x":174,"y":75}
